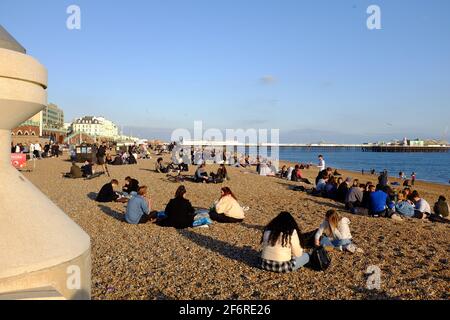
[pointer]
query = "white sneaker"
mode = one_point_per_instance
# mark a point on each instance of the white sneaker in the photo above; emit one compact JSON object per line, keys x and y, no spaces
{"x":351,"y":248}
{"x":396,"y":217}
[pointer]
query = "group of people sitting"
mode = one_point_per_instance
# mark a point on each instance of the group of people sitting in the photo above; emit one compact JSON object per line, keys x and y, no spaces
{"x":108,"y":192}
{"x":294,"y":173}
{"x":284,"y":245}
{"x":121,"y":158}
{"x":378,"y":200}
{"x":76,"y":172}
{"x":201,"y":175}
{"x":179,"y":213}
{"x":171,"y":167}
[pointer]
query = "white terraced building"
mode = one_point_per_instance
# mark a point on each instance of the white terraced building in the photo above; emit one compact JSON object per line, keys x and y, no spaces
{"x":96,"y":127}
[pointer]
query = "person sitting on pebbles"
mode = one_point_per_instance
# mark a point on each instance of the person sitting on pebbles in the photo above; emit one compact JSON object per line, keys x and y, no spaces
{"x":75,"y":172}
{"x":281,"y":248}
{"x":138,"y":208}
{"x":107,"y":193}
{"x":423,"y":209}
{"x":227,"y":209}
{"x":442,"y":208}
{"x":404,"y":206}
{"x":159,"y":166}
{"x":201,"y":176}
{"x":179,"y":211}
{"x":338,"y":233}
{"x":130,"y":185}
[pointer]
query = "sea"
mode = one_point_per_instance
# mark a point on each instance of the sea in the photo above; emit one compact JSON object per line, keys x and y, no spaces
{"x":431,"y":167}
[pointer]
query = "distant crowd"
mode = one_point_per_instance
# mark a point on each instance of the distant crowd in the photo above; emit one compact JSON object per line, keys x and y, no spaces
{"x":37,"y":150}
{"x":379,"y":200}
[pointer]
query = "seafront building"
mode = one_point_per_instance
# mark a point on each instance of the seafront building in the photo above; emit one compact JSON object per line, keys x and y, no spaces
{"x":48,"y":124}
{"x":53,"y":123}
{"x":31,"y":127}
{"x":96,"y":127}
{"x":91,"y":129}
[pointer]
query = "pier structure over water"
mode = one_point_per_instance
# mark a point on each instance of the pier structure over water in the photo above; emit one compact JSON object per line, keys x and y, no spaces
{"x":322,"y":146}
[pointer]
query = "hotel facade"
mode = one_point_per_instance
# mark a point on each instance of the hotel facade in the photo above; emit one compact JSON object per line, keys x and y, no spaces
{"x":95,"y":127}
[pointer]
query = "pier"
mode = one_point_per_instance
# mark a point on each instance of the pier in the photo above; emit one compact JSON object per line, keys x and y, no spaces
{"x":367,"y":148}
{"x":323,"y":146}
{"x":405,"y":149}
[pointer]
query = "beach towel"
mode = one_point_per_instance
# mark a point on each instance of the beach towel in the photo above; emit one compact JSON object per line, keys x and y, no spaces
{"x":95,"y":175}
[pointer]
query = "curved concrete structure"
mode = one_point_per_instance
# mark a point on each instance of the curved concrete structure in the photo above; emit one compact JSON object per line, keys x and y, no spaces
{"x":8,"y":42}
{"x":43,"y":253}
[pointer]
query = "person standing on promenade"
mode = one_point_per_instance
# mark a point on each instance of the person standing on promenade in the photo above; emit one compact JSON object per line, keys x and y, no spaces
{"x":322,"y":165}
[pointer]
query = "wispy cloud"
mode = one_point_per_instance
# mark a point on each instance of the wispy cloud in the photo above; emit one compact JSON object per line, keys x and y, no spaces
{"x":268,"y":79}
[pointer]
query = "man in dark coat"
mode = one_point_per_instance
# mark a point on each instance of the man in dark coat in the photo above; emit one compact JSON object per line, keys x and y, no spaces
{"x":130,"y":185}
{"x":107,"y":193}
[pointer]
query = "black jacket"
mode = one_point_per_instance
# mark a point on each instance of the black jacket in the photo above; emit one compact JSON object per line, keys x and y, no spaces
{"x":342,"y":192}
{"x":107,"y":194}
{"x":133,"y":185}
{"x":180,"y":214}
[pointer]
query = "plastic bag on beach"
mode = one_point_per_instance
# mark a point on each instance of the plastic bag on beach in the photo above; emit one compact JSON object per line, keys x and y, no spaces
{"x":201,"y":218}
{"x":204,"y":221}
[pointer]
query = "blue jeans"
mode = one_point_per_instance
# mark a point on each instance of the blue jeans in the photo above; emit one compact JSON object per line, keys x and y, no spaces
{"x":301,"y":261}
{"x":326,"y":242}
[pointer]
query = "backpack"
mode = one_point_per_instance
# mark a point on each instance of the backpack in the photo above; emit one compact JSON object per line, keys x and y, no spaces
{"x":319,"y":259}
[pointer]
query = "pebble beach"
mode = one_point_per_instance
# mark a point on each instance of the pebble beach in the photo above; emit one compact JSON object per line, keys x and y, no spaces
{"x":147,"y":262}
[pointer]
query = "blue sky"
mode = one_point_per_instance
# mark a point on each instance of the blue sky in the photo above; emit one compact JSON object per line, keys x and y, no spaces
{"x":310,"y":68}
